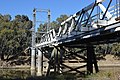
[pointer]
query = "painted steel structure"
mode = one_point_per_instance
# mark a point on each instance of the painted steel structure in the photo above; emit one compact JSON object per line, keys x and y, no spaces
{"x":34,"y":35}
{"x":82,"y":30}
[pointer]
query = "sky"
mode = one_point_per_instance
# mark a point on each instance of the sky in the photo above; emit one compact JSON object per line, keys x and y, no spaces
{"x":57,"y":7}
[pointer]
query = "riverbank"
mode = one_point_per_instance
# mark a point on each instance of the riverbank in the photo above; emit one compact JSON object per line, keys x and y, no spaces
{"x":107,"y":61}
{"x":109,"y":69}
{"x":15,"y":67}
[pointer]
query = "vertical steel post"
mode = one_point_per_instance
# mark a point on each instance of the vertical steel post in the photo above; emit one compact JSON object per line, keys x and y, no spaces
{"x":48,"y":26}
{"x":58,"y":61}
{"x":55,"y":60}
{"x":33,"y":62}
{"x":39,"y":72}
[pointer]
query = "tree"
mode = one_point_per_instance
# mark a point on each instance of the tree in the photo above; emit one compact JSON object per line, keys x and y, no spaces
{"x":61,"y":18}
{"x":116,"y":49}
{"x":7,"y":18}
{"x":54,"y":24}
{"x":15,"y":35}
{"x":42,"y":27}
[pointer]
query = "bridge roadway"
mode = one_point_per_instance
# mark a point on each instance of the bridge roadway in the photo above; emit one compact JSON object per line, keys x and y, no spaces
{"x":104,"y":35}
{"x":82,"y":31}
{"x":78,"y":30}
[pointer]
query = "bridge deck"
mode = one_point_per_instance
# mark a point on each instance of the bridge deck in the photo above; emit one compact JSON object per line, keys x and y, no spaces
{"x":106,"y":34}
{"x":83,"y":28}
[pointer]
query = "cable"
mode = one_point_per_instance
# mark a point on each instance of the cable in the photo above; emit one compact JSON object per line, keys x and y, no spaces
{"x":119,"y":8}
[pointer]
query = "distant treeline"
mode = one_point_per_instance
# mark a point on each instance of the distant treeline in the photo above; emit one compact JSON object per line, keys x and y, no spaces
{"x":15,"y":35}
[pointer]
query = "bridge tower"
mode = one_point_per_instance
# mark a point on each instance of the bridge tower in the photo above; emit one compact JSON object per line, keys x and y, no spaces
{"x":33,"y":54}
{"x":34,"y":49}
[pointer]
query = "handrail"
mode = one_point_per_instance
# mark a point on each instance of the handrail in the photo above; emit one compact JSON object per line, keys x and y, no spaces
{"x":76,"y":20}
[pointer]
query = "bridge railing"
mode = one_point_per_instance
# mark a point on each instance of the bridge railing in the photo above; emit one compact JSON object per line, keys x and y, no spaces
{"x":48,"y":37}
{"x":83,"y":21}
{"x":115,"y":10}
{"x":75,"y":25}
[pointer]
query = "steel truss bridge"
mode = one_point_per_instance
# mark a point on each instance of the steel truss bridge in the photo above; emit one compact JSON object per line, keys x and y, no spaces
{"x":63,"y":50}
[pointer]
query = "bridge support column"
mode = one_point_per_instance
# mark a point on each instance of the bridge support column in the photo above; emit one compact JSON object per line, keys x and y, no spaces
{"x":33,"y":62}
{"x":95,"y":62}
{"x":51,"y":62}
{"x":91,"y":59}
{"x":40,"y":60}
{"x":56,"y":60}
{"x":56,"y":56}
{"x":60,"y":61}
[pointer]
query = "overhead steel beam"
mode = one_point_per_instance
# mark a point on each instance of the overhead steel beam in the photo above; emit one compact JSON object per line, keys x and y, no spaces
{"x":84,"y":9}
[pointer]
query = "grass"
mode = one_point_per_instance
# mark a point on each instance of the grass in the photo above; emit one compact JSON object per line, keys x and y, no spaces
{"x":54,"y":77}
{"x":105,"y":74}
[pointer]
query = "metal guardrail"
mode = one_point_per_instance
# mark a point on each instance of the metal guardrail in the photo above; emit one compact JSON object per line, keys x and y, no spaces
{"x":70,"y":27}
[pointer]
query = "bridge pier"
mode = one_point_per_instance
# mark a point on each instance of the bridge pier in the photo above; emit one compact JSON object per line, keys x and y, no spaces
{"x":62,"y":57}
{"x":58,"y":59}
{"x":56,"y":64}
{"x":51,"y":62}
{"x":40,"y":61}
{"x":72,"y":61}
{"x":91,"y":59}
{"x":55,"y":61}
{"x":33,"y":62}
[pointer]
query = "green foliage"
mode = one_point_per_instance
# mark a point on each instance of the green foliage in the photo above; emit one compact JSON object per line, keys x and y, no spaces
{"x":54,"y":24}
{"x":116,"y":49}
{"x":15,"y":35}
{"x":113,"y":48}
{"x":61,"y":18}
{"x":42,"y":27}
